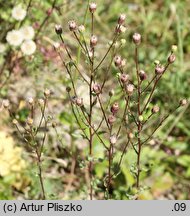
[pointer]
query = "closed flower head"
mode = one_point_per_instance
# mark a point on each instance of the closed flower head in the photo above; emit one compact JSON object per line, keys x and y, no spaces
{"x":58,"y":29}
{"x":136,"y":38}
{"x":93,"y":41}
{"x":92,"y":7}
{"x":121,"y":19}
{"x":72,"y":25}
{"x":129,"y":89}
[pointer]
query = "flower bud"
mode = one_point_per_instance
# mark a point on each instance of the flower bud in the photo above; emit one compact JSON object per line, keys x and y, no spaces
{"x":183,"y":102}
{"x":97,"y":88}
{"x":121,"y":19}
{"x":142,"y":75}
{"x":15,"y":122}
{"x":159,"y":69}
{"x":120,"y":29}
{"x":41,"y":102}
{"x":156,"y":62}
{"x":124,"y":78}
{"x":81,"y":28}
{"x":68,"y":89}
{"x":49,"y":12}
{"x":141,"y":118}
{"x":114,"y":108}
{"x":123,"y":41}
{"x":129,"y":89}
{"x":131,"y":135}
{"x":79,"y":102}
{"x":29,"y":121}
{"x":92,"y":7}
{"x":117,"y":61}
{"x":136,"y":38}
{"x":72,"y":25}
{"x":111,"y":93}
{"x":111,"y":119}
{"x":47,"y":93}
{"x":155,"y":109}
{"x":31,"y":101}
{"x":58,"y":29}
{"x":93,"y":41}
{"x":54,"y":124}
{"x":6,"y":104}
{"x":171,"y":58}
{"x":174,"y":48}
{"x":113,"y":139}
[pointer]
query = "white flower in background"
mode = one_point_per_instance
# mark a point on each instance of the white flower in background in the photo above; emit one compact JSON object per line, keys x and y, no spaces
{"x":28,"y":47}
{"x":2,"y":48}
{"x":14,"y":37}
{"x":18,"y":13}
{"x":28,"y":32}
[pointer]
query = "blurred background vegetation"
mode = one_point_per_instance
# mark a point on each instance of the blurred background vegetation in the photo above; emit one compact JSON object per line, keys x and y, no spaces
{"x":166,"y":160}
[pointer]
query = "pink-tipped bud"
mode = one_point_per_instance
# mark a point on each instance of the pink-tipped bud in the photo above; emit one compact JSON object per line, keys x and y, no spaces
{"x":183,"y":102}
{"x":72,"y":25}
{"x":79,"y":102}
{"x":97,"y":88}
{"x":171,"y":58}
{"x":159,"y":69}
{"x":113,"y":139}
{"x":129,"y":89}
{"x":58,"y":29}
{"x":6,"y":104}
{"x":118,"y":61}
{"x":49,"y":12}
{"x":124,"y":78}
{"x":142,"y":75}
{"x":93,"y":41}
{"x":114,"y":108}
{"x":155,"y":109}
{"x":136,"y":38}
{"x":121,"y":19}
{"x":111,"y":119}
{"x":92,"y":7}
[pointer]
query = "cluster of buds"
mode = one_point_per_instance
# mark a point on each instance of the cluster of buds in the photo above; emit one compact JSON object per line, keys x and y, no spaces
{"x":120,"y":29}
{"x":119,"y":62}
{"x":92,"y":7}
{"x":155,"y":109}
{"x":97,"y":88}
{"x":142,"y":75}
{"x":136,"y":38}
{"x":58,"y":29}
{"x":72,"y":25}
{"x":93,"y":41}
{"x":129,"y":89}
{"x":114,"y":108}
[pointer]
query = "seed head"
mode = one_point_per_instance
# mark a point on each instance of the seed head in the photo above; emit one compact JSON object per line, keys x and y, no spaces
{"x":155,"y":109}
{"x":111,"y":119}
{"x":92,"y":7}
{"x":118,"y":61}
{"x":97,"y":88}
{"x":114,"y":108}
{"x":171,"y":58}
{"x":72,"y":25}
{"x":79,"y":102}
{"x":159,"y":69}
{"x":93,"y":41}
{"x":6,"y":103}
{"x":183,"y":102}
{"x":113,"y":139}
{"x":129,"y":89}
{"x":58,"y":29}
{"x":121,"y":19}
{"x":124,"y":78}
{"x":136,"y":38}
{"x":142,"y":75}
